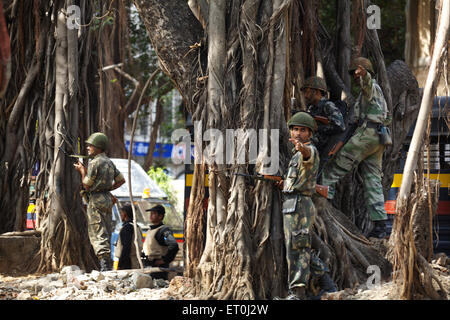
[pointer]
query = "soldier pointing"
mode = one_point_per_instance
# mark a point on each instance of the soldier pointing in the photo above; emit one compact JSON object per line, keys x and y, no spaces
{"x":299,"y":210}
{"x":366,"y":146}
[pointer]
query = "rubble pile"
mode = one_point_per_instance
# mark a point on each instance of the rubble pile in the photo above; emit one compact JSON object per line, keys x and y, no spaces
{"x":75,"y":284}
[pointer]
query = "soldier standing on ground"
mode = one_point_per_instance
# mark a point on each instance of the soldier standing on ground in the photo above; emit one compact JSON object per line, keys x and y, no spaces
{"x":98,"y":180}
{"x":299,"y":210}
{"x":329,"y":119}
{"x":364,"y":147}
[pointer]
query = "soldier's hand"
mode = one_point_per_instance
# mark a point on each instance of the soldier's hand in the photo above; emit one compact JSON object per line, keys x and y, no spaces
{"x":297,"y":144}
{"x":79,"y":166}
{"x":360,"y":71}
{"x":279,"y":184}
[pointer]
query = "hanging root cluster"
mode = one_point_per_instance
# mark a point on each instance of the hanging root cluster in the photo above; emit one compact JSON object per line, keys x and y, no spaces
{"x":342,"y":246}
{"x":412,"y":273}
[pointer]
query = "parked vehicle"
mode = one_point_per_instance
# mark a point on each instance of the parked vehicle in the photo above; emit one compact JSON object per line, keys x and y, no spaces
{"x":146,"y":194}
{"x":439,"y":170}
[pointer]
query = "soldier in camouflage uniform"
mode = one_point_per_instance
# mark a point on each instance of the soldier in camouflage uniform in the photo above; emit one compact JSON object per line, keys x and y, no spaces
{"x":298,"y":208}
{"x":329,"y":119}
{"x":99,"y":179}
{"x":364,"y":147}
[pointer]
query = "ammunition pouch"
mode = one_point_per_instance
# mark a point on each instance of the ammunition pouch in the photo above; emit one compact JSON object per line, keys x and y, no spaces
{"x":385,"y":135}
{"x":301,"y":239}
{"x":289,"y":202}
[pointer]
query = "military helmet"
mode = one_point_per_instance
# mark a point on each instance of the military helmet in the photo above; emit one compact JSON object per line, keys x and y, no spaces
{"x":303,"y":119}
{"x":360,"y":61}
{"x":315,"y":83}
{"x":99,"y":140}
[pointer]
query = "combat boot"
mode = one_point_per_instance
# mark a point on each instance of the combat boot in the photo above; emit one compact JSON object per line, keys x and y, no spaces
{"x":379,"y":230}
{"x":297,"y":293}
{"x":326,"y":284}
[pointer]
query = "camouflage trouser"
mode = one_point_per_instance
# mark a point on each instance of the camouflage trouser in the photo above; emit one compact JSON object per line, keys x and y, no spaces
{"x":100,"y":224}
{"x":365,"y":150}
{"x":297,"y":227}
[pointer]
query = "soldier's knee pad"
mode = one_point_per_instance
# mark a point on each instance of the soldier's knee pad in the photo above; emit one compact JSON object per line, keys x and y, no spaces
{"x":301,"y":239}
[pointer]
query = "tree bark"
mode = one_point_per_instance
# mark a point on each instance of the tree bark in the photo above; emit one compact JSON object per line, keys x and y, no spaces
{"x":343,"y":41}
{"x":163,"y":20}
{"x":243,"y":255}
{"x":18,"y":115}
{"x":112,"y":112}
{"x":64,"y":229}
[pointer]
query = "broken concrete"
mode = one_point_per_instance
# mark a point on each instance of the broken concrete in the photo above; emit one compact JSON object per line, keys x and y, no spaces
{"x":17,"y":249}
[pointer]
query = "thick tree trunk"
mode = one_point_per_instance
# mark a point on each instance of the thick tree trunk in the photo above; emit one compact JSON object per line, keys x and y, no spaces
{"x":177,"y":52}
{"x":64,"y":230}
{"x":112,"y":112}
{"x":343,"y":43}
{"x":243,"y":255}
{"x":40,"y":113}
{"x":18,"y":113}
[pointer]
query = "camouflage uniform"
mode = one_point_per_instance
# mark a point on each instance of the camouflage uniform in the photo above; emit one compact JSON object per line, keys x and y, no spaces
{"x":100,"y":176}
{"x":363,"y":148}
{"x":299,"y":183}
{"x":336,"y":125}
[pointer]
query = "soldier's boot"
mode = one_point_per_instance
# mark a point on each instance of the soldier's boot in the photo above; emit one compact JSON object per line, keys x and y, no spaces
{"x":380,"y":230}
{"x":326,"y":284}
{"x":297,"y":293}
{"x":300,"y":292}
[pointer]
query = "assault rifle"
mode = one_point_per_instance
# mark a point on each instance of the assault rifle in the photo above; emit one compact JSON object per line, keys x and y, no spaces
{"x":73,"y":157}
{"x":322,"y":190}
{"x":322,"y":119}
{"x":263,"y":177}
{"x":343,"y":139}
{"x":335,"y":145}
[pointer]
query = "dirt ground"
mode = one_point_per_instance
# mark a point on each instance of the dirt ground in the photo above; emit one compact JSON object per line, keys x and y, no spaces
{"x":74,"y":284}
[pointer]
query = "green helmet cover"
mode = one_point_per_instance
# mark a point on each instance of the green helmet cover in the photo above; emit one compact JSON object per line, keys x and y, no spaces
{"x":363,"y":62}
{"x":303,"y":119}
{"x":99,"y":140}
{"x":315,"y":83}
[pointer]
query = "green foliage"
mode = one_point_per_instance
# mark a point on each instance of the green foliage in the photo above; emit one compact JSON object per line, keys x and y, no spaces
{"x":163,"y":180}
